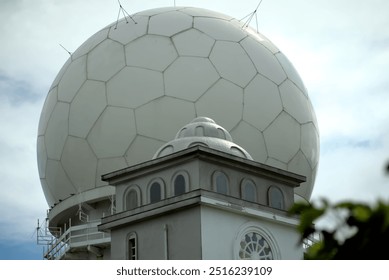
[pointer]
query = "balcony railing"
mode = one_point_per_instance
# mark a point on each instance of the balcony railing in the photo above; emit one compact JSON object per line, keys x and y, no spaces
{"x":79,"y":236}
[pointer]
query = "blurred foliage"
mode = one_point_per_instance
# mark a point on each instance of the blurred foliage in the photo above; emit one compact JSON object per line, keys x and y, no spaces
{"x":361,"y":230}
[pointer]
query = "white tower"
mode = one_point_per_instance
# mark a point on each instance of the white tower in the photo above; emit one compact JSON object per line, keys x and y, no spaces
{"x":128,"y":89}
{"x":203,"y":197}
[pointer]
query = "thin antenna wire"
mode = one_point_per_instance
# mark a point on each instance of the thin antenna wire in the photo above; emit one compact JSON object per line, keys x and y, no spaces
{"x":125,"y":14}
{"x":250,"y":17}
{"x":66,"y":50}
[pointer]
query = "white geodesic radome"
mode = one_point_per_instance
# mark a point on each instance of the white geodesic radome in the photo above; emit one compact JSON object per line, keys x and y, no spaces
{"x":131,"y":86}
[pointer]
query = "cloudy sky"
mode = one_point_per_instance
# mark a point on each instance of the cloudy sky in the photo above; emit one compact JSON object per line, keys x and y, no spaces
{"x":339,"y":47}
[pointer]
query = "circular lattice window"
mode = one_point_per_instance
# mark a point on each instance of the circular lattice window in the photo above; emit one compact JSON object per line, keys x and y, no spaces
{"x":254,"y":246}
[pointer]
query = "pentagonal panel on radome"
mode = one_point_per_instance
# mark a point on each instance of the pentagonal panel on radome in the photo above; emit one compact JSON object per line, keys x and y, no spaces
{"x":80,"y":163}
{"x":291,"y":72}
{"x":128,"y":30}
{"x":113,"y":132}
{"x":57,"y":131}
{"x":222,"y":97}
{"x":91,"y":43}
{"x":262,"y":102}
{"x":47,"y":110}
{"x":42,"y":156}
{"x":219,"y":29}
{"x":295,"y":102}
{"x":57,"y":180}
{"x":83,"y":112}
{"x":105,"y":60}
{"x":251,"y":139}
{"x":106,"y":165}
{"x":151,"y":52}
{"x":142,"y":149}
{"x":163,"y":117}
{"x":199,"y":12}
{"x":282,"y":138}
{"x":72,"y":80}
{"x":189,"y":77}
{"x":134,"y":86}
{"x":193,"y":43}
{"x":299,"y":165}
{"x":232,"y":63}
{"x":264,"y":61}
{"x":310,"y":143}
{"x":169,"y":23}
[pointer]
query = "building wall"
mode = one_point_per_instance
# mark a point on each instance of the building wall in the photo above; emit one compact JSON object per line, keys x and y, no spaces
{"x":183,"y":231}
{"x":221,"y":232}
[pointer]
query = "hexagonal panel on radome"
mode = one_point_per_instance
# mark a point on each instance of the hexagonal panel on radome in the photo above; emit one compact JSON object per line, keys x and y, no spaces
{"x":47,"y":110}
{"x":83,"y":112}
{"x":222,"y":97}
{"x":73,"y":78}
{"x":262,"y":102}
{"x":113,"y":132}
{"x":219,"y":29}
{"x":262,"y":39}
{"x":58,"y":182}
{"x":250,"y":139}
{"x":295,"y":102}
{"x":282,"y":138}
{"x":105,"y":60}
{"x":42,"y":156}
{"x":157,"y":11}
{"x":127,"y":30}
{"x":91,"y":43}
{"x":151,"y":52}
{"x":61,"y":73}
{"x":47,"y":192}
{"x":134,"y":86}
{"x":291,"y":72}
{"x":141,"y":149}
{"x":300,"y":165}
{"x":189,"y":77}
{"x":200,"y":12}
{"x":264,"y":61}
{"x":310,"y":143}
{"x":232,"y":63}
{"x":80,"y":163}
{"x":276,"y":163}
{"x":163,"y":117}
{"x":57,"y":130}
{"x":169,"y":23}
{"x":106,"y":165}
{"x":193,"y":43}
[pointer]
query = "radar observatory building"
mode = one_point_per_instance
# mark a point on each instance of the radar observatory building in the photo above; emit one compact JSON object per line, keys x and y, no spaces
{"x":171,"y":125}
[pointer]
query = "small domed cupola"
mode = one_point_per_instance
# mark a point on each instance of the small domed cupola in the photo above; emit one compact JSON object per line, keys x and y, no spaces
{"x":202,"y":131}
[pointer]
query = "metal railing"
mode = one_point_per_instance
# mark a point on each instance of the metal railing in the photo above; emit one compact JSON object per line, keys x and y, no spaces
{"x":78,"y":236}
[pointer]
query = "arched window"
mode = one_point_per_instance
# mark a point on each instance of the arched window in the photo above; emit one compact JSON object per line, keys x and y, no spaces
{"x":220,"y":182}
{"x":249,"y":190}
{"x":132,"y":246}
{"x":276,"y":198}
{"x":156,"y":190}
{"x":132,"y":198}
{"x":179,"y":185}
